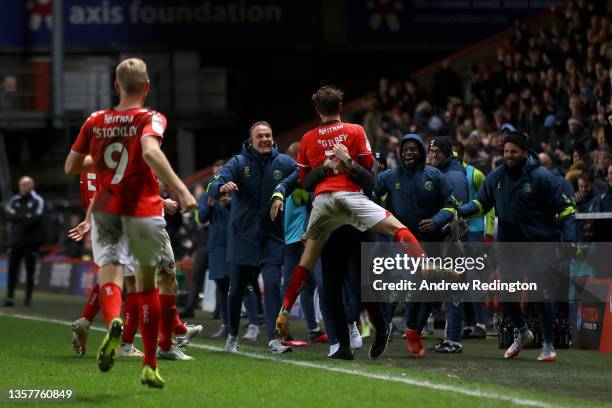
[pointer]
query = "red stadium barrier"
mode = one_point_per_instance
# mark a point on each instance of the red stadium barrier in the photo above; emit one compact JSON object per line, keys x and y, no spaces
{"x":592,"y":319}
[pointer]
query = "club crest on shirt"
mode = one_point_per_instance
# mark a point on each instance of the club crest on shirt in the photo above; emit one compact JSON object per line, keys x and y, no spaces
{"x":277,"y":174}
{"x":428,"y":185}
{"x":157,"y":124}
{"x":527,"y":187}
{"x":247,"y":171}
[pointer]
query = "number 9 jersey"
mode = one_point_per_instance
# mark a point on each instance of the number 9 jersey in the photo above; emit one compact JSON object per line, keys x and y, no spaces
{"x":126,"y":184}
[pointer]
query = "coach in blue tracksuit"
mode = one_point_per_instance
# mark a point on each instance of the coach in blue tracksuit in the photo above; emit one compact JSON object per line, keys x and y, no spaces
{"x":255,"y":242}
{"x":421,"y":197}
{"x":528,"y":201}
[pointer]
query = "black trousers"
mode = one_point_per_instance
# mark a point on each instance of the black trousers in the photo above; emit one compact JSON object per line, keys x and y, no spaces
{"x":340,"y":261}
{"x":17,"y":253}
{"x":200,"y":263}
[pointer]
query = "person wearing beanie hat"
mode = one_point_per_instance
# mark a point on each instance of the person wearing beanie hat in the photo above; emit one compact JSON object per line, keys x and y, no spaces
{"x":441,"y":156}
{"x":443,"y":143}
{"x":517,"y":138}
{"x":531,"y":207}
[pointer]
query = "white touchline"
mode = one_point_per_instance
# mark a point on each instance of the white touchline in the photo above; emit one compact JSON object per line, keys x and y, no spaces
{"x":360,"y":373}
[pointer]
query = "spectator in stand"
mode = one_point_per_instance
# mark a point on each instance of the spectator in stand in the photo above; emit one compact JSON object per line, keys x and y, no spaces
{"x":600,"y":173}
{"x":24,"y":213}
{"x":392,"y":152}
{"x":446,"y":84}
{"x":585,"y":195}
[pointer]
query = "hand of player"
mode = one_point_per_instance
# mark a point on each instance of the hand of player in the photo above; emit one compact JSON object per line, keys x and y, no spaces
{"x":187,"y":201}
{"x":341,"y":152}
{"x":225,"y":200}
{"x":277,"y":206}
{"x":427,"y":225}
{"x":282,"y":325}
{"x":335,"y":165}
{"x":170,"y":206}
{"x":227,"y":187}
{"x":78,"y":233}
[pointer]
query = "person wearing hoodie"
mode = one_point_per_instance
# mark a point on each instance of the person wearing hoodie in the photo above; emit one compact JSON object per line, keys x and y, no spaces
{"x":255,"y":242}
{"x":441,"y":156}
{"x":528,"y":201}
{"x":421,"y":198}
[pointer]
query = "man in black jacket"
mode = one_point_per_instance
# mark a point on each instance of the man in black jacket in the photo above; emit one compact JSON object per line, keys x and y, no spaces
{"x":24,"y":213}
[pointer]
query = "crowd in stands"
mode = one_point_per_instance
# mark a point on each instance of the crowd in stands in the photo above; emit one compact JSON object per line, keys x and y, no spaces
{"x":551,"y":83}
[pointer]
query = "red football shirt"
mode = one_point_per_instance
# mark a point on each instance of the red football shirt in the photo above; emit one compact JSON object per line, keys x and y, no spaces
{"x":318,"y":144}
{"x":88,"y":184}
{"x":126,"y":184}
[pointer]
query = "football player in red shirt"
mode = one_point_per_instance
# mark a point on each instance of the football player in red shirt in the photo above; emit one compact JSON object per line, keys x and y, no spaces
{"x":338,"y":146}
{"x":166,"y":281}
{"x":124,"y":143}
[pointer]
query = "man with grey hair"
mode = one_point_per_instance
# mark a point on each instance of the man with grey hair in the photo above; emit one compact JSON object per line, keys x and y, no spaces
{"x":24,"y":213}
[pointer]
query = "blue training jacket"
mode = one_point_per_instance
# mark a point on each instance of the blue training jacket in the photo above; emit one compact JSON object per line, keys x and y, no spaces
{"x":218,"y":216}
{"x":526,"y":205}
{"x":416,"y":194}
{"x":456,"y":175}
{"x":253,"y":239}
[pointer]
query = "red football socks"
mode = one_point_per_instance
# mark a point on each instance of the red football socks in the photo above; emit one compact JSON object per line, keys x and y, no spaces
{"x":149,"y":324}
{"x":130,"y":318}
{"x":179,"y":326}
{"x":166,"y":326}
{"x":110,"y":302}
{"x":411,"y":244}
{"x":93,"y":304}
{"x":296,"y":283}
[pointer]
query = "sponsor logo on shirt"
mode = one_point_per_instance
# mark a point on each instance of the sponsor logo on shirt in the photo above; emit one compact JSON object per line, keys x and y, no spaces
{"x":157,"y":124}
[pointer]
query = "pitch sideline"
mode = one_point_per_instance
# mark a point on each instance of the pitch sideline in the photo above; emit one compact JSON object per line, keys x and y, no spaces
{"x":353,"y":372}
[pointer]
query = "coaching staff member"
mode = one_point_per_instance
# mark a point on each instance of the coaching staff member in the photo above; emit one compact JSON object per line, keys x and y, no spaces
{"x":528,"y":201}
{"x":24,"y":213}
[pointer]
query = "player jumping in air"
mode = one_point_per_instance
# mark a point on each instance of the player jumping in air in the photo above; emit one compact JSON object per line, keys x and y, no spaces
{"x":339,"y":200}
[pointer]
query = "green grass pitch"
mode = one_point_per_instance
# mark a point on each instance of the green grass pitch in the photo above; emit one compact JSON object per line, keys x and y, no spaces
{"x":37,"y":354}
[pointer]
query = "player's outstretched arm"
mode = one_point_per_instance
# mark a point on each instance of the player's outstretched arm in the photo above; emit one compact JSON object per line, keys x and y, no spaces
{"x":78,"y":233}
{"x":76,"y":163}
{"x":157,"y":161}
